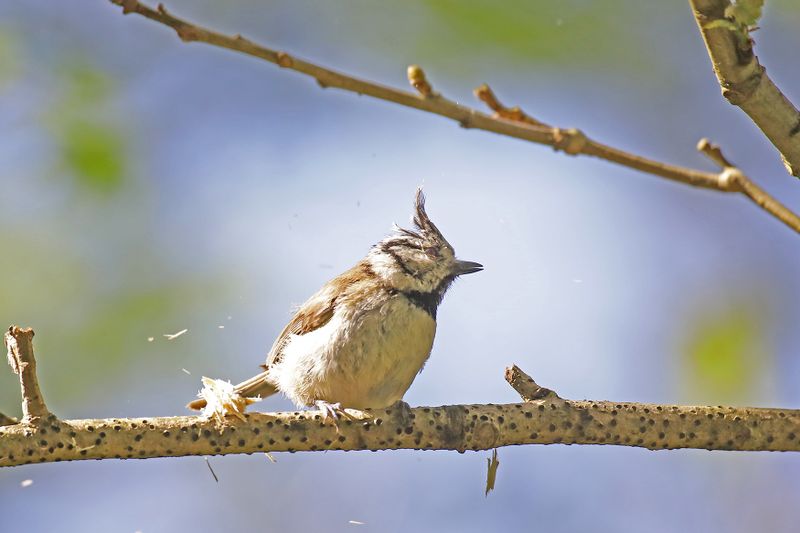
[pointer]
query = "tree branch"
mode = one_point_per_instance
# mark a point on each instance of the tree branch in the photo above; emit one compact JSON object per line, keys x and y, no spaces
{"x":19,"y":343}
{"x":504,"y":122}
{"x":736,"y":178}
{"x":543,"y":418}
{"x":528,"y":389}
{"x":744,"y":82}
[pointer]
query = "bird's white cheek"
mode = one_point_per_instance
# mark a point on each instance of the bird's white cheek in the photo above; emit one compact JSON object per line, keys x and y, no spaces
{"x":386,"y":267}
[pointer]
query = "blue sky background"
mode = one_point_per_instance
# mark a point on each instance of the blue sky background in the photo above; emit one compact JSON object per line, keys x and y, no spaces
{"x":222,"y":191}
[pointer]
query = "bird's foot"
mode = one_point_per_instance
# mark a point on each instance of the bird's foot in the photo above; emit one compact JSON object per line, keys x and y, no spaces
{"x":335,"y":412}
{"x":331,"y":411}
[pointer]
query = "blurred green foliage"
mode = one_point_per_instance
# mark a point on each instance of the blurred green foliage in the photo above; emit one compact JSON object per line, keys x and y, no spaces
{"x":93,"y":152}
{"x":574,"y":33}
{"x":471,"y":38}
{"x":115,"y":334}
{"x":726,"y":356}
{"x":91,"y":142}
{"x":91,"y":330}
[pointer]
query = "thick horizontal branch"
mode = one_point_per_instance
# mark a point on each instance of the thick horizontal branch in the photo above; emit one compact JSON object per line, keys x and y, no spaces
{"x":744,"y":81}
{"x":544,"y":418}
{"x":454,"y":427}
{"x":509,"y":122}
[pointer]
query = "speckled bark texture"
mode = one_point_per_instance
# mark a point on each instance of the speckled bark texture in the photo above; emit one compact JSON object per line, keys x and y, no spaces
{"x":544,"y":418}
{"x":457,"y":427}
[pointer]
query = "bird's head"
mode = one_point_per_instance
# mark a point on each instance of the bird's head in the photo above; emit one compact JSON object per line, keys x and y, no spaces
{"x":421,"y":260}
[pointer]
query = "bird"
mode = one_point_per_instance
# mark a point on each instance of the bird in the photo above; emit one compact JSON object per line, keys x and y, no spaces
{"x":361,"y":340}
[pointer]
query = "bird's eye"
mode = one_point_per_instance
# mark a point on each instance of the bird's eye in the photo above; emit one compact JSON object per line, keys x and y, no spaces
{"x":432,"y":251}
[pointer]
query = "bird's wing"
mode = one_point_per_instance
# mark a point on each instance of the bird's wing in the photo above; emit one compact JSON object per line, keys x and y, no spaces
{"x":313,"y":314}
{"x":319,"y":309}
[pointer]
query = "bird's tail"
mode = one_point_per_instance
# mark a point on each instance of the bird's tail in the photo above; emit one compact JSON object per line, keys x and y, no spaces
{"x":255,"y":386}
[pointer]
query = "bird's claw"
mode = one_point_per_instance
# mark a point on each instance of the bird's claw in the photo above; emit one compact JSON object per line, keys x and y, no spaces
{"x":331,"y":411}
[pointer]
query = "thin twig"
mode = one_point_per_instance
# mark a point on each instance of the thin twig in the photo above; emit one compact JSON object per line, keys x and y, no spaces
{"x":713,"y":152}
{"x":571,"y":141}
{"x":744,"y":82}
{"x":736,"y":179}
{"x":19,"y":343}
{"x":525,"y":386}
{"x":485,"y":94}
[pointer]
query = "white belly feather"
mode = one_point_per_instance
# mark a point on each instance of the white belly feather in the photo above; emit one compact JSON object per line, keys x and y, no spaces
{"x":359,"y":358}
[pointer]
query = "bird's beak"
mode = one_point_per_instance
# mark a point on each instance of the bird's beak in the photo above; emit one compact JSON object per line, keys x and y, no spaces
{"x":466,"y":267}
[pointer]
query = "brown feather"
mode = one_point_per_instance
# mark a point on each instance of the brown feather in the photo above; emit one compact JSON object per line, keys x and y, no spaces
{"x":318,"y":310}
